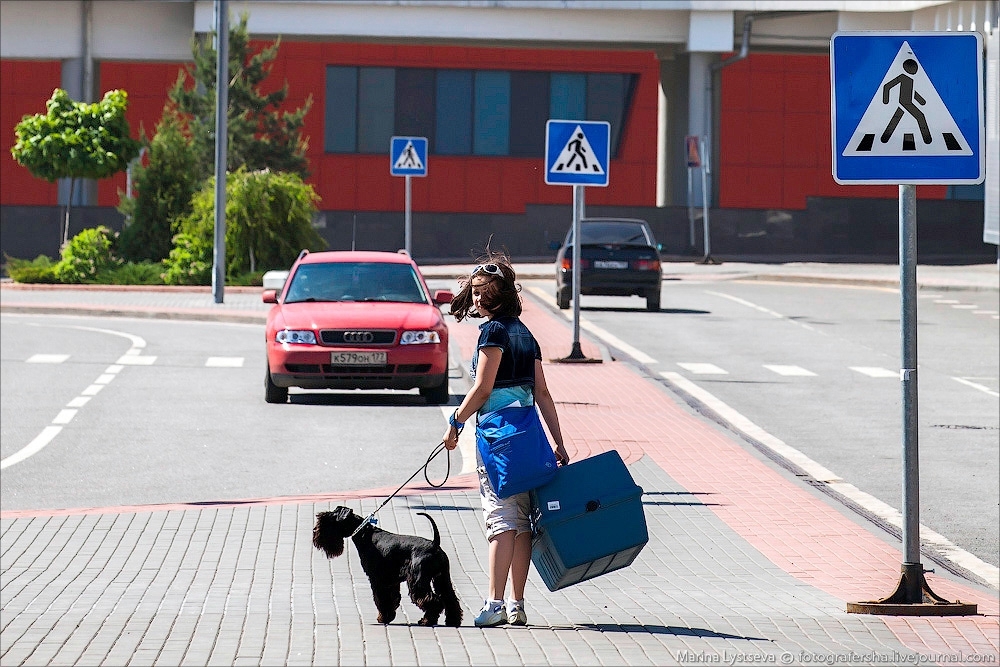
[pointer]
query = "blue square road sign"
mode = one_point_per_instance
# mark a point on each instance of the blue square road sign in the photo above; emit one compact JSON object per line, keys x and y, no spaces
{"x":577,"y":152}
{"x":408,"y":156}
{"x":907,"y":108}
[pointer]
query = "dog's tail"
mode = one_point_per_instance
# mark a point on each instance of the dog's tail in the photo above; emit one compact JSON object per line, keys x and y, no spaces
{"x":437,"y":535}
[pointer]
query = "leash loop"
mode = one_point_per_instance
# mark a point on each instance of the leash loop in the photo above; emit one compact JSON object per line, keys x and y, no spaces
{"x":434,"y":452}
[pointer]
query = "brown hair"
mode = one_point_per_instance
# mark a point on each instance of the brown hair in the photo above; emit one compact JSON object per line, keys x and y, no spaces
{"x":501,"y":295}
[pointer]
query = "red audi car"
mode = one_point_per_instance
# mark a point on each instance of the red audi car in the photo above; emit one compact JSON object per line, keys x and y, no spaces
{"x":356,"y":320}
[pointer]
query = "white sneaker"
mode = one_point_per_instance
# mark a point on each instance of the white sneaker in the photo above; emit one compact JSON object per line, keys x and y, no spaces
{"x":492,"y":614}
{"x":515,"y":612}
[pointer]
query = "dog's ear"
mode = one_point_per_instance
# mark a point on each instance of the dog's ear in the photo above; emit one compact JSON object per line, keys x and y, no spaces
{"x":327,"y":536}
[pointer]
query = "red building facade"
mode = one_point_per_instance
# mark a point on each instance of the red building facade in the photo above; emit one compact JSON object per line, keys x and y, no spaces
{"x":773,"y":148}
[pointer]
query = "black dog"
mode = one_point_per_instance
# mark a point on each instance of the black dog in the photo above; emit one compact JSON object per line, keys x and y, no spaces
{"x":389,"y":559}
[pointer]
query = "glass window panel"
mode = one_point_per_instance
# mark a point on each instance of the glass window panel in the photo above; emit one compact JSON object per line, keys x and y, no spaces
{"x":453,"y":122}
{"x":376,"y":108}
{"x":491,"y":131}
{"x":568,"y":97}
{"x":529,"y":109}
{"x":415,"y":103}
{"x":341,"y":121}
{"x":608,"y":96}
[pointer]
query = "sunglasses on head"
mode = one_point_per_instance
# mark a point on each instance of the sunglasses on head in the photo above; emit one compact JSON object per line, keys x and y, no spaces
{"x":491,"y":269}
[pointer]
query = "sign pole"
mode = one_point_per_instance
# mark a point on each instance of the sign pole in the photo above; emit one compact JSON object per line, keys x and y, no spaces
{"x":908,"y":374}
{"x":578,"y":190}
{"x":941,"y":142}
{"x":407,"y":220}
{"x":704,"y":206}
{"x":408,"y":158}
{"x":912,"y":596}
{"x":577,"y":153}
{"x":221,"y":146}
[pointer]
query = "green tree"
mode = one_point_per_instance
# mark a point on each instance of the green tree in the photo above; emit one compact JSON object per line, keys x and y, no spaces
{"x":76,"y":140}
{"x":163,"y":192}
{"x":268,"y":223}
{"x":261,"y":136}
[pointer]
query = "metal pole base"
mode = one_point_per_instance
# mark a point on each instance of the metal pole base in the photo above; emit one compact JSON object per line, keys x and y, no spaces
{"x":709,"y":260}
{"x":576,"y":356}
{"x":913,"y":597}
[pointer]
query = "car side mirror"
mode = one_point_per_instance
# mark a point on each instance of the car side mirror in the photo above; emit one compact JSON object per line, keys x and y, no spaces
{"x":554,"y":245}
{"x":270,"y":296}
{"x":442,"y":296}
{"x":659,"y":247}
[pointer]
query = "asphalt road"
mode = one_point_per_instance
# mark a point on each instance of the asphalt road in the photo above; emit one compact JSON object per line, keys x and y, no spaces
{"x":191,"y":425}
{"x":818,"y":367}
{"x":183,"y":418}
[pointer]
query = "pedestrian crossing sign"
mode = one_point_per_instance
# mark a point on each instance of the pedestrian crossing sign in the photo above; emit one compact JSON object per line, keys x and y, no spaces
{"x":576,"y":152}
{"x":408,"y":156}
{"x":907,"y":108}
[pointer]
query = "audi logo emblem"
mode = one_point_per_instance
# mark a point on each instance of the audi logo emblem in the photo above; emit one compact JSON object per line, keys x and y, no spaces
{"x":359,"y":337}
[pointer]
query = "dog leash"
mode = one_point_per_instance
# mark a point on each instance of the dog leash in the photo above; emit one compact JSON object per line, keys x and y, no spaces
{"x":437,"y":450}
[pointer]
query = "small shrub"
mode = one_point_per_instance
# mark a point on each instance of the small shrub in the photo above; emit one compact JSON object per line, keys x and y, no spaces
{"x":190,"y":261}
{"x":141,"y":273}
{"x":87,"y":255}
{"x":38,"y":270}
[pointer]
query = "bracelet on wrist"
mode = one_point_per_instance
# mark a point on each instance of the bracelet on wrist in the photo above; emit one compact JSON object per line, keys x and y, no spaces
{"x":454,"y":422}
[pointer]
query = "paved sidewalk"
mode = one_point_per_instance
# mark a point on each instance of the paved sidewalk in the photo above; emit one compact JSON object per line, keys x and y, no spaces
{"x":746,"y":562}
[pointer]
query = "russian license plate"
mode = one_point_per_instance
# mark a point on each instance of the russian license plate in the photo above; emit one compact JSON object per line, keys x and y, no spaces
{"x":609,"y":264}
{"x":358,"y":358}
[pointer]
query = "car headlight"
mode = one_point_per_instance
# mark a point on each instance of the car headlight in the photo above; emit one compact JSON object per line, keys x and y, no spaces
{"x":300,"y":336}
{"x":419,"y":337}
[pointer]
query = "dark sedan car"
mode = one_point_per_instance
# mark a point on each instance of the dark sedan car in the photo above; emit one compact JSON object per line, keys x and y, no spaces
{"x":618,"y":257}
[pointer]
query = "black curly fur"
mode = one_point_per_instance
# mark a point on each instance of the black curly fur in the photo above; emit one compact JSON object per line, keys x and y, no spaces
{"x":389,"y":559}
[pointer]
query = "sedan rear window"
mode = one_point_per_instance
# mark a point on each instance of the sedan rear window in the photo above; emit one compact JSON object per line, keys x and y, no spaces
{"x":617,"y":233}
{"x":355,"y":281}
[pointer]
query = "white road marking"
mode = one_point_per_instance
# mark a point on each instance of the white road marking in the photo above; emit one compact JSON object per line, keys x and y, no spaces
{"x":946,"y":301}
{"x":131,"y":357}
{"x":965,"y":306}
{"x":976,"y":385}
{"x":64,"y":417}
{"x":789,"y":370}
{"x":702,"y":369}
{"x":47,"y":358}
{"x":984,"y":312}
{"x":875,"y":372}
{"x":762,"y":309}
{"x":970,"y":562}
{"x":224,"y":362}
{"x":606,"y":336}
{"x":33,"y":447}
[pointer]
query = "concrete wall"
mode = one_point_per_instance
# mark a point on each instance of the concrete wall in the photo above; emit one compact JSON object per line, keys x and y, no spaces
{"x":829,"y":229}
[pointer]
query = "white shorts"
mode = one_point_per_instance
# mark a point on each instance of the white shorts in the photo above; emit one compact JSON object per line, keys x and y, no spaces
{"x":503,"y":514}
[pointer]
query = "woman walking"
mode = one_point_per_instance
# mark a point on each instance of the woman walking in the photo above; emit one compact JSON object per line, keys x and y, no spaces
{"x":507,"y":371}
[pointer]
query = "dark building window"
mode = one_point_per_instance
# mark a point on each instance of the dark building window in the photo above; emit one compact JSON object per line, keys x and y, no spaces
{"x":529,"y":110}
{"x":376,"y":109}
{"x":466,"y":112}
{"x":453,"y":120}
{"x":491,"y":120}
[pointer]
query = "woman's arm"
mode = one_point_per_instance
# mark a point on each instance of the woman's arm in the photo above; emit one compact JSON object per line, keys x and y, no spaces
{"x":486,"y":374}
{"x":547,"y":407}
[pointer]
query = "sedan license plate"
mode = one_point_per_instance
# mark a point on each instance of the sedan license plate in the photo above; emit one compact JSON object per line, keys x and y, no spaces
{"x":609,"y":264}
{"x":358,"y":358}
